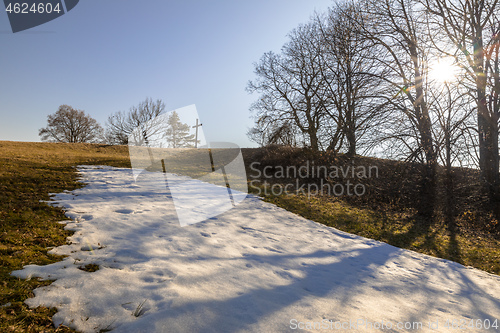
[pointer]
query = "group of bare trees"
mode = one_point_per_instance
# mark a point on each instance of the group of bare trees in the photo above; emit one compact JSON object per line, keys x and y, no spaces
{"x":363,"y":76}
{"x":472,"y":34}
{"x":316,"y":91}
{"x":146,"y":124}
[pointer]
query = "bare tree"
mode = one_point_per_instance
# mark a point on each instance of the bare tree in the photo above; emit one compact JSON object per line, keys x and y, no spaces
{"x":70,"y":125}
{"x":350,"y":75}
{"x":473,"y":31}
{"x":290,"y":84}
{"x":396,"y":27}
{"x":139,"y":119}
{"x":452,"y":108}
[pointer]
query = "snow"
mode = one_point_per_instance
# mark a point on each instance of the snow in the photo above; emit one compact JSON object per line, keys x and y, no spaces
{"x":254,"y":268}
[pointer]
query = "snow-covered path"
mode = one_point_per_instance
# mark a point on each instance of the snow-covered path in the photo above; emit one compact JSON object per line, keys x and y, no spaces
{"x":255,"y":268}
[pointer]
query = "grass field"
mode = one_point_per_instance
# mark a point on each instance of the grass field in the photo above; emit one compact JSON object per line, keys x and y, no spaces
{"x":30,"y":171}
{"x":403,"y":229}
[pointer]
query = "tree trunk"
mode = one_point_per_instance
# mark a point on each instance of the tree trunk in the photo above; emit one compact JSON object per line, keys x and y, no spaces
{"x":351,"y":139}
{"x":313,"y":138}
{"x":489,"y":155}
{"x":350,"y":129}
{"x":487,"y":126}
{"x":428,"y":195}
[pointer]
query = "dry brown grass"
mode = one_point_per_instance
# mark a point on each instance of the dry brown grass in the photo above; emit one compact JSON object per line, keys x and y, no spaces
{"x":388,"y":210}
{"x":28,"y":173}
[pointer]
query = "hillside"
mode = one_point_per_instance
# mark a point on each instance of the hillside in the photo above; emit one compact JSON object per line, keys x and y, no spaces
{"x":388,"y":208}
{"x":386,"y":212}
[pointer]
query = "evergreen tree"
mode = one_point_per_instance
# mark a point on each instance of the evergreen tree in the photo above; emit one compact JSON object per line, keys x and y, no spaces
{"x":177,"y":133}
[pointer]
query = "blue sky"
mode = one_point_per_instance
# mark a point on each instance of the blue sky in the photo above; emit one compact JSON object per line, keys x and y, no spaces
{"x":108,"y":55}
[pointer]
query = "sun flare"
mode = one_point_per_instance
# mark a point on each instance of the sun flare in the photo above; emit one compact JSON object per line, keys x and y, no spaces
{"x":443,"y":70}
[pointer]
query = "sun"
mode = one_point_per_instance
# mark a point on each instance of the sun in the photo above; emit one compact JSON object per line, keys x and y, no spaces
{"x":444,"y":70}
